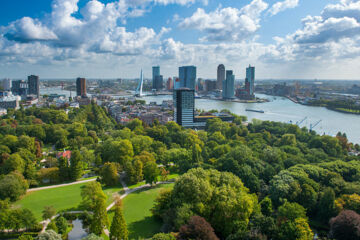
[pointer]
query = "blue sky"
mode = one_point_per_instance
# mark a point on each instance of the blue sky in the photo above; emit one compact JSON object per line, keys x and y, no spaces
{"x":116,"y":38}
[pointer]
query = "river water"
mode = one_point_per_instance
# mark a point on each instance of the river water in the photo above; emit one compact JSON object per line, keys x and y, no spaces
{"x":283,"y":110}
{"x":278,"y":109}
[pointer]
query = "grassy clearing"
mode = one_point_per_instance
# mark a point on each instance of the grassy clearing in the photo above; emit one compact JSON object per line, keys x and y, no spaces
{"x":62,"y":198}
{"x":170,"y":177}
{"x":137,"y":212}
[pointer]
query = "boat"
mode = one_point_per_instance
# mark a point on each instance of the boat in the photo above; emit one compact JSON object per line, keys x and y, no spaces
{"x":254,"y":110}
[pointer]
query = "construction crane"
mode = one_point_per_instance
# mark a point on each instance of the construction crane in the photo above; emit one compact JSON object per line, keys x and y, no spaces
{"x":298,"y":123}
{"x":312,"y":126}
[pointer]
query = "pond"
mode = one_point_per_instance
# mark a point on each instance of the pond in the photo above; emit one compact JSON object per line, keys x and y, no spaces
{"x":78,"y":232}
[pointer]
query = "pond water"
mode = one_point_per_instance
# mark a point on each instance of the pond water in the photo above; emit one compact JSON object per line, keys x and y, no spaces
{"x":78,"y":232}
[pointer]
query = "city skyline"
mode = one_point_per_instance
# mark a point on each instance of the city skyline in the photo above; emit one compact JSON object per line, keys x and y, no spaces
{"x":299,"y":39}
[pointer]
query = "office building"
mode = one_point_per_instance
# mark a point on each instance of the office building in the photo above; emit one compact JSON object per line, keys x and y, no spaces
{"x":228,"y":85}
{"x":157,"y":79}
{"x":6,"y":84}
{"x":158,"y":83}
{"x":81,"y":87}
{"x":176,"y":82}
{"x":220,"y":76}
{"x":250,"y":80}
{"x":187,"y":77}
{"x":169,"y":84}
{"x":20,"y":88}
{"x":34,"y":85}
{"x":210,"y":85}
{"x":184,"y":106}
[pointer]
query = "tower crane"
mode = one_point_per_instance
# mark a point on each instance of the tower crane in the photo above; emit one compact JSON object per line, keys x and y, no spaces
{"x":298,"y":123}
{"x":312,"y":126}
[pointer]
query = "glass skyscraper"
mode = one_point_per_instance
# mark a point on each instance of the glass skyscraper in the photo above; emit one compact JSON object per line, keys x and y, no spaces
{"x":250,"y":78}
{"x":184,"y":106}
{"x":228,"y":85}
{"x":187,"y":77}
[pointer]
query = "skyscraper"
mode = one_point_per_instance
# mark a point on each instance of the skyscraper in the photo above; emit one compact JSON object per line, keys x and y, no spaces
{"x":184,"y":106}
{"x":169,"y":84}
{"x":157,"y":80}
{"x":220,"y":76}
{"x":187,"y":77}
{"x":228,"y":85}
{"x":250,"y":80}
{"x":20,"y":87}
{"x":81,"y":87}
{"x":34,"y":85}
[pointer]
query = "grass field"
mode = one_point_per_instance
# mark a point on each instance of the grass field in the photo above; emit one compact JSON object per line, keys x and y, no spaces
{"x":170,"y":177}
{"x":137,"y":212}
{"x":61,"y":198}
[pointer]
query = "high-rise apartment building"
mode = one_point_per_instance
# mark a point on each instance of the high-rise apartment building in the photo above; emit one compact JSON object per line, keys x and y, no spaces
{"x":187,"y":77}
{"x":220,"y":76}
{"x":20,"y":87}
{"x":184,"y":106}
{"x":34,"y":85}
{"x":81,"y":87}
{"x":157,"y":79}
{"x":228,"y":85}
{"x":250,"y":80}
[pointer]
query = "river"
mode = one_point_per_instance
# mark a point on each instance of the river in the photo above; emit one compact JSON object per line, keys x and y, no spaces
{"x":283,"y":110}
{"x":278,"y":109}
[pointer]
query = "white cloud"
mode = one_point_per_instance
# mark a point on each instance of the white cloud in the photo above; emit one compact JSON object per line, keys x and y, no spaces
{"x":282,"y":6}
{"x":28,"y":29}
{"x":226,"y":24}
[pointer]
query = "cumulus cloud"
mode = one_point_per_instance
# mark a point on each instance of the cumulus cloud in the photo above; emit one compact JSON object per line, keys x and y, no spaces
{"x":227,"y":24}
{"x":27,"y":29}
{"x":282,"y":6}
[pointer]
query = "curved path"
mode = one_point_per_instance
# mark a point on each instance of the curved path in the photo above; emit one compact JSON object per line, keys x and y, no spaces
{"x":60,"y":185}
{"x":127,"y":190}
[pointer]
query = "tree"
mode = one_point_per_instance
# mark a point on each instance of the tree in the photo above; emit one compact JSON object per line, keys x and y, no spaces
{"x":197,"y":228}
{"x":12,"y":186}
{"x":100,"y":218}
{"x":64,"y":169}
{"x":90,"y":193}
{"x":14,"y":163}
{"x":266,"y":206}
{"x":25,"y":237}
{"x":151,"y":172}
{"x":348,"y":202}
{"x":327,"y":208}
{"x":48,"y":212}
{"x":109,"y":174}
{"x":49,"y":235}
{"x":118,"y":229}
{"x":61,"y":224}
{"x":92,"y":237}
{"x":345,"y":226}
{"x":28,"y":219}
{"x":163,"y":236}
{"x":76,"y":165}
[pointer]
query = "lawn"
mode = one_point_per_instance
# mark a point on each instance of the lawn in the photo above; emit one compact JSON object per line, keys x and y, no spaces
{"x":137,"y":212}
{"x":170,"y":177}
{"x":61,"y":198}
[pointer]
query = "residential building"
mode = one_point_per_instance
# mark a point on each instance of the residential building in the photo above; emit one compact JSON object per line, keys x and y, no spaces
{"x":187,"y":77}
{"x":10,"y":101}
{"x":220,"y":76}
{"x":81,"y":87}
{"x":228,"y":85}
{"x":184,"y":106}
{"x":34,"y":85}
{"x":20,"y":87}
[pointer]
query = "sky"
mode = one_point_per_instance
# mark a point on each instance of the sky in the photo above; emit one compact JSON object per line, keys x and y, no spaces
{"x":283,"y":39}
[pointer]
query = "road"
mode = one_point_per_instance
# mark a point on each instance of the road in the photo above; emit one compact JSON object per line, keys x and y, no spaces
{"x":60,"y":185}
